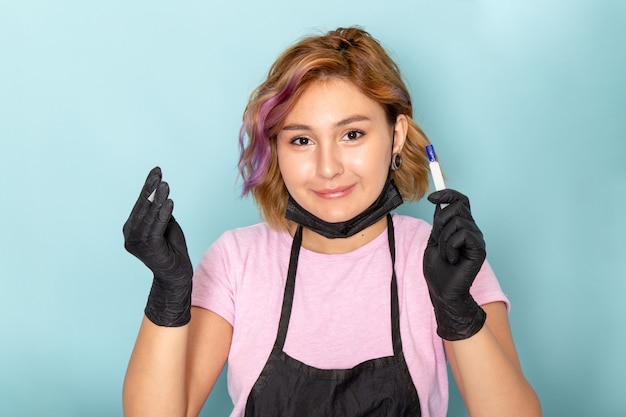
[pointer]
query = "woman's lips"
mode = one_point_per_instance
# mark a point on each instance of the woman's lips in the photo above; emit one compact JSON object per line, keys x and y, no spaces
{"x":333,"y":193}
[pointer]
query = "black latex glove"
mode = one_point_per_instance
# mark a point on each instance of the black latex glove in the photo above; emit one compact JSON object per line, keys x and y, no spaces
{"x":454,"y":254}
{"x":155,"y":238}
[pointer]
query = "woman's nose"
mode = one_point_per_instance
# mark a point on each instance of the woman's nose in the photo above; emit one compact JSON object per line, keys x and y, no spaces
{"x":329,"y":163}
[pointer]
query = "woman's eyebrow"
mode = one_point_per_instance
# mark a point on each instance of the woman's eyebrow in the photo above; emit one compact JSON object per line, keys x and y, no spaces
{"x":344,"y":122}
{"x":352,"y":119}
{"x":296,"y":127}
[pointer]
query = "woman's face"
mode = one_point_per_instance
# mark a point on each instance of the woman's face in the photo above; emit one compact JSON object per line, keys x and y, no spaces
{"x":335,"y":148}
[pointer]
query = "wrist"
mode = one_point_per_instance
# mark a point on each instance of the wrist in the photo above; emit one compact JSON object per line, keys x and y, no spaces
{"x":458,"y":319}
{"x":169,"y":302}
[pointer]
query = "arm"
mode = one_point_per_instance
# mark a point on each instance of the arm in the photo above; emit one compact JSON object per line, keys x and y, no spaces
{"x":209,"y":343}
{"x":155,"y":378}
{"x":477,"y":339}
{"x":172,"y":370}
{"x":177,"y":358}
{"x":487,"y":370}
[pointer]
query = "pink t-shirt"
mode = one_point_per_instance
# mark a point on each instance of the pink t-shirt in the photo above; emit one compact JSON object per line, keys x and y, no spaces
{"x":341,"y":311}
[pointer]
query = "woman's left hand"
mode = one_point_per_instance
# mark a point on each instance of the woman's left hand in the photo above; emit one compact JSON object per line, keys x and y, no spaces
{"x":454,"y":254}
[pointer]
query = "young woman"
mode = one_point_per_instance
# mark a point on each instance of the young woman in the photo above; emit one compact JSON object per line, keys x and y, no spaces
{"x":333,"y":306}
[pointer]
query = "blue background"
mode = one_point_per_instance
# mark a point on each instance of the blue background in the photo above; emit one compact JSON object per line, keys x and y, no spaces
{"x":524,"y":100}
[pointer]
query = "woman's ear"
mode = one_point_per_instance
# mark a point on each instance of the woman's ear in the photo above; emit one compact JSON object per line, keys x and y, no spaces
{"x":400,"y":130}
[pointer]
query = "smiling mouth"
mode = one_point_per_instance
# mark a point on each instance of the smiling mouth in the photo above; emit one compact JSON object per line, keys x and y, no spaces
{"x":334,"y":193}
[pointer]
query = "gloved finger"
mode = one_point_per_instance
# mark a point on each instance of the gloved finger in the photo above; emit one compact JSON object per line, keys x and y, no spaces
{"x":133,"y":225}
{"x":448,"y":196}
{"x":442,"y":217}
{"x":456,"y":204}
{"x":457,"y":225}
{"x":163,"y":217}
{"x":149,"y":219}
{"x":456,"y":209}
{"x":152,"y":181}
{"x":469,"y":243}
{"x":175,"y":236}
{"x":154,"y":177}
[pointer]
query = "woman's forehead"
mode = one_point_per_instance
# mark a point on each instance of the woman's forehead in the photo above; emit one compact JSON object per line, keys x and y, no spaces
{"x":332,"y":102}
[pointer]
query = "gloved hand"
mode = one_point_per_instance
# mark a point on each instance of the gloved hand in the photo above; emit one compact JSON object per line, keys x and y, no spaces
{"x":155,"y":238}
{"x":454,"y":254}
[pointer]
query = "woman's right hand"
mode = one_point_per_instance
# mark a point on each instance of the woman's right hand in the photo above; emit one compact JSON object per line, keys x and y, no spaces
{"x":152,"y":235}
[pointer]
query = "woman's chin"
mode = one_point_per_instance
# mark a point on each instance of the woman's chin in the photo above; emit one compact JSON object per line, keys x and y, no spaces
{"x":336,"y":217}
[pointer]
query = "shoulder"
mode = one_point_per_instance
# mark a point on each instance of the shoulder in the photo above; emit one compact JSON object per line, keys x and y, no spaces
{"x":411,"y":237}
{"x":249,"y":233}
{"x":258,"y":237}
{"x":407,"y":228}
{"x":237,"y":254}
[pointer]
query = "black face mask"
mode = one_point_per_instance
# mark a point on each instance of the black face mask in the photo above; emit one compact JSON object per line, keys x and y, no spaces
{"x":388,"y":200}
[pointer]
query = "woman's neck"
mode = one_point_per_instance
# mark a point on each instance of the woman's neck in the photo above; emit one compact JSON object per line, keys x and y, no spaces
{"x":317,"y":243}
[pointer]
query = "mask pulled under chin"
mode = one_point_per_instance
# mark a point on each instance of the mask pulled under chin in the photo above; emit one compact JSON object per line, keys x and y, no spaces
{"x":388,"y":200}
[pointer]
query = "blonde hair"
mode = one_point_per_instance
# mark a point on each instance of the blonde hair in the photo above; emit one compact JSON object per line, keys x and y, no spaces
{"x":350,"y":54}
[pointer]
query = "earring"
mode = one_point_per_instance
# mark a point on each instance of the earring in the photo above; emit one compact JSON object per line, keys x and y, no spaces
{"x":396,"y":161}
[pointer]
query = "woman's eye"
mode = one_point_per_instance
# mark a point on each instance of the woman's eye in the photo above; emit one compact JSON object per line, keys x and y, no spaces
{"x":353,"y":134}
{"x":301,"y":141}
